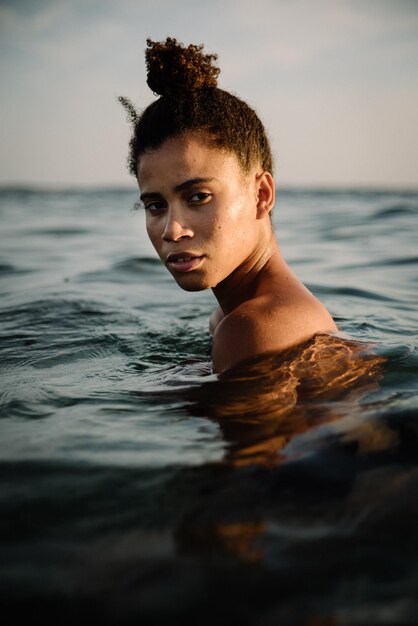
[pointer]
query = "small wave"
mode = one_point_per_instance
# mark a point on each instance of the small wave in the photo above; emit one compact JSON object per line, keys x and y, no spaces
{"x":394,"y":210}
{"x":137,"y":264}
{"x":49,"y":319}
{"x":404,"y":260}
{"x":122,"y":271}
{"x":57,"y":231}
{"x":6,"y":269}
{"x":49,"y":308}
{"x":412,"y":260}
{"x":349,"y":291}
{"x":21,"y":408}
{"x":178,"y":343}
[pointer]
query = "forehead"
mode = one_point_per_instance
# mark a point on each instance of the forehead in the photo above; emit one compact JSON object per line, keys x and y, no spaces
{"x":183,"y":157}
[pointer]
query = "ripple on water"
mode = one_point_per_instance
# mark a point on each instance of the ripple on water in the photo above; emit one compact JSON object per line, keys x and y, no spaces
{"x":6,"y":269}
{"x":134,"y":475}
{"x":354,"y":292}
{"x":57,"y":231}
{"x":137,"y":264}
{"x":144,"y":268}
{"x":396,"y":210}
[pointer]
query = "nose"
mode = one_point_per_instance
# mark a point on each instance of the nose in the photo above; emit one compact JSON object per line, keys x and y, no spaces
{"x":175,"y":227}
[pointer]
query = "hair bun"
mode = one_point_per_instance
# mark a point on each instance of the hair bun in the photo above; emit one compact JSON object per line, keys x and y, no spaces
{"x":172,"y":67}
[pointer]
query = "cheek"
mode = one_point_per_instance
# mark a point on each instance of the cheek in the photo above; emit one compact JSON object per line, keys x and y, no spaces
{"x":153,"y":233}
{"x":149,"y":231}
{"x":232,"y":225}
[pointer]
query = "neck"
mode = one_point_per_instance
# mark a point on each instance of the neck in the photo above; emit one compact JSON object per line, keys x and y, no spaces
{"x":242,"y":284}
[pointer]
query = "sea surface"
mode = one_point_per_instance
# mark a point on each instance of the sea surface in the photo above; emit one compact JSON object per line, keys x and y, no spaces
{"x":138,"y":487}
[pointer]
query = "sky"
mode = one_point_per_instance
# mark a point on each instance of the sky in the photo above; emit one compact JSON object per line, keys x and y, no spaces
{"x":334,"y":81}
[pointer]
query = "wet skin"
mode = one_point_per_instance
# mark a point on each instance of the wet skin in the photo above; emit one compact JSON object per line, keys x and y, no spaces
{"x":209,"y":222}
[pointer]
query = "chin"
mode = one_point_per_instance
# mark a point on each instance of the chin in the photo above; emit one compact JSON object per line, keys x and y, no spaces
{"x":192,"y":284}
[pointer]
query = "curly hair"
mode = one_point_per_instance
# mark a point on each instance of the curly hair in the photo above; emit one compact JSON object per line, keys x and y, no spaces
{"x":190,"y":101}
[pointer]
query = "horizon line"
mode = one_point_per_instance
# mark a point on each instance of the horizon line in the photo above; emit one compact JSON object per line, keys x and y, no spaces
{"x":125,"y":187}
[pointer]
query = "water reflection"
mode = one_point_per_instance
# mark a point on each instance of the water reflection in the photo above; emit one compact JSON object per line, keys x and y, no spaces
{"x":247,"y":503}
{"x":268,"y":511}
{"x":261,"y":405}
{"x":236,"y":539}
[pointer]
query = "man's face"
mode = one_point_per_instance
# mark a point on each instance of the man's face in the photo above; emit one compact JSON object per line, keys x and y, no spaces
{"x":201,"y":210}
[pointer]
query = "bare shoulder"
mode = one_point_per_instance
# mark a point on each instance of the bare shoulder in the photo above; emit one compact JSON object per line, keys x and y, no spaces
{"x":215,"y":319}
{"x":264,"y":325}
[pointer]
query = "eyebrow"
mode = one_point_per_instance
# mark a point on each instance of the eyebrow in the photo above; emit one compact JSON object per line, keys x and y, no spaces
{"x":181,"y":187}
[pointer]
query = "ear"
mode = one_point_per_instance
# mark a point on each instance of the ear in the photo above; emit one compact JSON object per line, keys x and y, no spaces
{"x":265,"y":194}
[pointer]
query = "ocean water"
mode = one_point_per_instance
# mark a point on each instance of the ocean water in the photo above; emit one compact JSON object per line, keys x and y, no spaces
{"x":138,"y":487}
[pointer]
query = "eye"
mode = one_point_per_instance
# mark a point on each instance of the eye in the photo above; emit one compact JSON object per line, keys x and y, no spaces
{"x":200,"y":197}
{"x":154,"y":206}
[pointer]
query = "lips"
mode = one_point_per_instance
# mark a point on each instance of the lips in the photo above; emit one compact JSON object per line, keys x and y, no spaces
{"x":183,"y":261}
